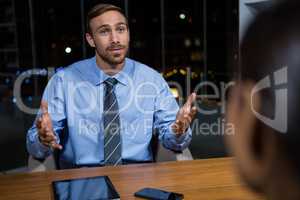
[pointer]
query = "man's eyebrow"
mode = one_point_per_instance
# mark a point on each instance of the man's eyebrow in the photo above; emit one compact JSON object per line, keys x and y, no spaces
{"x":107,"y":26}
{"x":104,"y":25}
{"x":121,"y":23}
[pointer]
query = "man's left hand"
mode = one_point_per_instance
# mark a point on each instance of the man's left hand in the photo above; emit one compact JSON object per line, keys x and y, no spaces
{"x":185,"y":116}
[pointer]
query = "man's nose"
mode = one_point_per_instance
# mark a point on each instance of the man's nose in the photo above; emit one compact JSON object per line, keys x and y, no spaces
{"x":114,"y":37}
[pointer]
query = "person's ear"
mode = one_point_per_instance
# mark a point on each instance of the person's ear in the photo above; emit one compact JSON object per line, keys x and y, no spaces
{"x":128,"y":35}
{"x":249,"y":143}
{"x":89,"y":39}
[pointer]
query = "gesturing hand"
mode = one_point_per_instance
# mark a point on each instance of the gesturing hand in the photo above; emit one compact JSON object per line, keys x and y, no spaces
{"x":45,"y":129}
{"x":185,"y":116}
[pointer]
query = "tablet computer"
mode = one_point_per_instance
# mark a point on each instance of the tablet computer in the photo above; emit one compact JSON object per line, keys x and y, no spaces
{"x":92,"y":188}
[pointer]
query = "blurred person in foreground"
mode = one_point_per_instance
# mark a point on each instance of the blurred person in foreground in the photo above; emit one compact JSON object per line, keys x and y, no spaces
{"x":103,"y":110}
{"x":264,"y":105}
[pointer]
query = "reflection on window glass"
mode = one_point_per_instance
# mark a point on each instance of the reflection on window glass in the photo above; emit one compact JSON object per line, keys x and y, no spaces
{"x":57,"y":32}
{"x":145,"y":32}
{"x":222,"y":40}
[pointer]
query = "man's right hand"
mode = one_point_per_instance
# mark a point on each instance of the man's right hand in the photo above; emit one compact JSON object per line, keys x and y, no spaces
{"x":45,"y":129}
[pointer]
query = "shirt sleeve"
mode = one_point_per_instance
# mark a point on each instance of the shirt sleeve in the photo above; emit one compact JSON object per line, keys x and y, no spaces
{"x":54,"y":96}
{"x":166,"y":109}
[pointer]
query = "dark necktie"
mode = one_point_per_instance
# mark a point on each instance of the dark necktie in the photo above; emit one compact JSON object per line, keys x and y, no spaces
{"x":111,"y":124}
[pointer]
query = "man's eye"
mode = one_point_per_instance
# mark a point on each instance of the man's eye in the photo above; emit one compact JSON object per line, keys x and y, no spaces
{"x":121,"y":29}
{"x":104,"y":31}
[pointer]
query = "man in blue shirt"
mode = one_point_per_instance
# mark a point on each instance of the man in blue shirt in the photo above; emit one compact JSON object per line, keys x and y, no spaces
{"x":109,"y":104}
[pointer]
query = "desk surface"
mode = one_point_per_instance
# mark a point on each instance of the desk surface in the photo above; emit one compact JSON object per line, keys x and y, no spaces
{"x":199,"y":179}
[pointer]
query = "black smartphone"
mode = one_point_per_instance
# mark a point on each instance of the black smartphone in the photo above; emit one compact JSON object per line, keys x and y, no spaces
{"x":158,"y":194}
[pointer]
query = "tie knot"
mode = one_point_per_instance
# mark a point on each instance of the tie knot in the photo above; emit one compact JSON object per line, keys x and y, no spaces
{"x":111,"y":81}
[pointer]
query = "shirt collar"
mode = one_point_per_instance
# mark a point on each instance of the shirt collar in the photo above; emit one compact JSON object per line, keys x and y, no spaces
{"x":123,"y":76}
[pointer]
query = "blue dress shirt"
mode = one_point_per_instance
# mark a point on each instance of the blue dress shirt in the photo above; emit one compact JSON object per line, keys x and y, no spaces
{"x":75,"y":103}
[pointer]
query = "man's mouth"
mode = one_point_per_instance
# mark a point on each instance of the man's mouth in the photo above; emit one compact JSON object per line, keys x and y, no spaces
{"x":115,"y":48}
{"x":116,"y":51}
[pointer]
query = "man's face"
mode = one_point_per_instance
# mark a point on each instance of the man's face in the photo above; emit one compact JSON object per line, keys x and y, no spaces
{"x":110,"y":36}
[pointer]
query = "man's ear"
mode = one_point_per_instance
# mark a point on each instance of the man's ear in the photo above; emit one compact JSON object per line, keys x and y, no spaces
{"x":89,"y":39}
{"x":250,"y":143}
{"x":128,"y":35}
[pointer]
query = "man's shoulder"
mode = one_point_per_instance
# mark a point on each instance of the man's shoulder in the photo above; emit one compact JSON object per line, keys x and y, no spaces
{"x":145,"y":71}
{"x":79,"y":65}
{"x":74,"y":68}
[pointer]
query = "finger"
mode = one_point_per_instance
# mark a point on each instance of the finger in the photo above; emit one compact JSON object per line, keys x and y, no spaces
{"x":181,"y":126}
{"x":193,"y":112}
{"x":52,"y":143}
{"x":179,"y":123}
{"x":176,"y":129}
{"x":56,"y":146}
{"x":44,"y":127}
{"x":191,"y":99}
{"x":44,"y":107}
{"x":42,"y":131}
{"x":187,"y":120}
{"x":187,"y":106}
{"x":42,"y":134}
{"x":47,"y":138}
{"x":48,"y":130}
{"x":38,"y":123}
{"x":176,"y":125}
{"x":47,"y":133}
{"x":46,"y":122}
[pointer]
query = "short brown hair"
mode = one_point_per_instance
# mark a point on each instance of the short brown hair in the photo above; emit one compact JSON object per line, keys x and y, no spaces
{"x":98,"y":10}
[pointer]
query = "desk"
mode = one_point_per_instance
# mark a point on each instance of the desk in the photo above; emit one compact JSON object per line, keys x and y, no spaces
{"x":198,"y":179}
